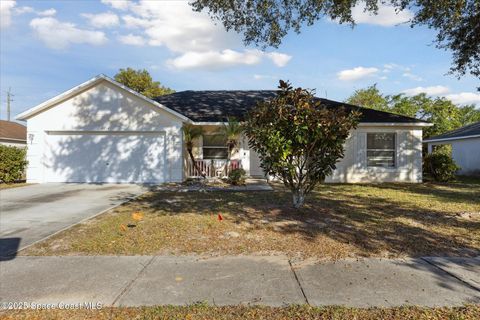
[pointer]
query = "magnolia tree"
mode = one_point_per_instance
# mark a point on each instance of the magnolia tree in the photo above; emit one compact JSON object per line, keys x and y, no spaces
{"x":297,"y":139}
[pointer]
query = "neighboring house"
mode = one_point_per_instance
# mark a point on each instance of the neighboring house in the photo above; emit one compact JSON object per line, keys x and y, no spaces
{"x":13,"y":134}
{"x":102,"y":131}
{"x":465,"y":144}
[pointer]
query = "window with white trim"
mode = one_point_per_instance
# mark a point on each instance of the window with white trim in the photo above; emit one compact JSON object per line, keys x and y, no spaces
{"x":381,"y":150}
{"x":214,"y":146}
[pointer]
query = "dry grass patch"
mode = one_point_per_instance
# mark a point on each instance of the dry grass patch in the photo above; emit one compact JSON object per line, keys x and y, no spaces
{"x":339,"y":221}
{"x":13,"y":185}
{"x":469,"y":312}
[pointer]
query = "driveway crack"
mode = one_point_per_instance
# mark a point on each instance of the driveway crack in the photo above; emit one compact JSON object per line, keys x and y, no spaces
{"x":298,"y":282}
{"x":130,"y":284}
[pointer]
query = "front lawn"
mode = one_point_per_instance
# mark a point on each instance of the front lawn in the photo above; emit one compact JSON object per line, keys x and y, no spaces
{"x":469,"y":312}
{"x":338,"y":221}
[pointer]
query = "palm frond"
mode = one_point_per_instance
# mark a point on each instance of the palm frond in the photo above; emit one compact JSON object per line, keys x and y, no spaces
{"x":191,"y":132}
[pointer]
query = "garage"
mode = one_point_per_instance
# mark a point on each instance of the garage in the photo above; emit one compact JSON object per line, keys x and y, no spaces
{"x":110,"y":157}
{"x":103,"y":132}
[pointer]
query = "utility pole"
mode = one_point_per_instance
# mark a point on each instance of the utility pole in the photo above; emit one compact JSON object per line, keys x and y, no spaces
{"x":9,"y":100}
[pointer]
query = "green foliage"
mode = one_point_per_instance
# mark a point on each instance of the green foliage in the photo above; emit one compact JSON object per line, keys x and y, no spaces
{"x":142,"y":82}
{"x":440,"y":166}
{"x":190,"y":133}
{"x":444,"y":114}
{"x":237,"y":176}
{"x":12,"y":163}
{"x":369,"y":98}
{"x":231,"y":130}
{"x":297,"y":139}
{"x":267,"y":22}
{"x":469,"y":114}
{"x":443,"y":148}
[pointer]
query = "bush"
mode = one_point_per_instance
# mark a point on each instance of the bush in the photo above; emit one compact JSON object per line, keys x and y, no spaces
{"x":12,"y":163}
{"x":440,"y":166}
{"x":237,"y":177}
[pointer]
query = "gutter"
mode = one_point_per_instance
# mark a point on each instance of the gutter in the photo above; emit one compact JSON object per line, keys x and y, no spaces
{"x":361,"y":124}
{"x":454,"y":138}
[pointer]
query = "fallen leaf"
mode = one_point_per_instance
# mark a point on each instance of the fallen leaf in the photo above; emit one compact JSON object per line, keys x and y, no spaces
{"x":137,"y":216}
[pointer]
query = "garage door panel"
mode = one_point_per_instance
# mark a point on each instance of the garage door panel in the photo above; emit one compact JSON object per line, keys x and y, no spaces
{"x":113,"y":158}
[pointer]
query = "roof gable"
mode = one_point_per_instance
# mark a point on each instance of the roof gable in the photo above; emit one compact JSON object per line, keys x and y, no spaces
{"x":84,"y":86}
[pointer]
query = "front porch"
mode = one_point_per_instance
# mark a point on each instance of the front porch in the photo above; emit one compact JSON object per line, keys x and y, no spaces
{"x":209,"y":147}
{"x":210,"y":168}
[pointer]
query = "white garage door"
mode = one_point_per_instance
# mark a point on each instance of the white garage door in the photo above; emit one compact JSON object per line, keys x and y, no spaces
{"x":114,"y":157}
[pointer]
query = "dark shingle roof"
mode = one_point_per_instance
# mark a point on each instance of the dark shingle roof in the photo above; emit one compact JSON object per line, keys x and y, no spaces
{"x":216,"y":106}
{"x":469,"y":130}
{"x":12,"y":130}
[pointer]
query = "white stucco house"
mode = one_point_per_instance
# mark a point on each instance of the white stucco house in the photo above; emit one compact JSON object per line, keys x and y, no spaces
{"x":101,"y":131}
{"x":465,"y":143}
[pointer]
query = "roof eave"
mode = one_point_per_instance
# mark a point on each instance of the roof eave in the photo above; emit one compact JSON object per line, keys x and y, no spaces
{"x":12,"y":139}
{"x":452,"y":138}
{"x":395,"y":124}
{"x":361,"y":124}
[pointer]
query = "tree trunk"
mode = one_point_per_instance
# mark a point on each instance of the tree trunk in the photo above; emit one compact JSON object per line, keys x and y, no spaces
{"x":298,"y":198}
{"x":192,"y":158}
{"x":229,"y":157}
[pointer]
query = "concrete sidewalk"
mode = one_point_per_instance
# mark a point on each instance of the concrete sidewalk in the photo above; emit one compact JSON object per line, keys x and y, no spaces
{"x":273,"y":281}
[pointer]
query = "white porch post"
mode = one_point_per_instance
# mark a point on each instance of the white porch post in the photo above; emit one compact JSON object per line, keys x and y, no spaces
{"x":429,"y":147}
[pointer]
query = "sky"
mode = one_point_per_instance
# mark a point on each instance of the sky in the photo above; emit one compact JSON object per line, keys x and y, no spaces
{"x":47,"y":47}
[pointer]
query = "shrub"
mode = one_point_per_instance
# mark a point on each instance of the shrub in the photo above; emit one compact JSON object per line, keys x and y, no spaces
{"x":237,"y":176}
{"x":12,"y":163}
{"x":443,"y":148}
{"x":440,"y":166}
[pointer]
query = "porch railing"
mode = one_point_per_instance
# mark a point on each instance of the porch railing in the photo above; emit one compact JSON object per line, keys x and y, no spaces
{"x":211,"y":168}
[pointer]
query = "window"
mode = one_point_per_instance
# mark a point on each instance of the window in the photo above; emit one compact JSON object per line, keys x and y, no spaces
{"x":214,"y":146}
{"x":381,"y":150}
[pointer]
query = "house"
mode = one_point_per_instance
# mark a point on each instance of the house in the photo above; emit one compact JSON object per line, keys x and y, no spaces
{"x":13,"y":134}
{"x":465,"y":144}
{"x":102,"y":131}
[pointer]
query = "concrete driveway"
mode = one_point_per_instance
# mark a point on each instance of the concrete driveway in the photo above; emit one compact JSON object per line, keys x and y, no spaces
{"x":31,"y":213}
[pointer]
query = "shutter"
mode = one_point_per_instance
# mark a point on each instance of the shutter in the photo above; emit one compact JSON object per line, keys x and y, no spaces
{"x":361,"y":150}
{"x":404,"y":148}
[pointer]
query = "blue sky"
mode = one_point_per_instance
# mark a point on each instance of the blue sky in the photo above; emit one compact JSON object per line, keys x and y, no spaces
{"x":48,"y":47}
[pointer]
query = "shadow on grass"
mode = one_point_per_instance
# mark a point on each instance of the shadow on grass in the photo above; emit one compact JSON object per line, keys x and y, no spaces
{"x":372,"y":224}
{"x":458,"y":192}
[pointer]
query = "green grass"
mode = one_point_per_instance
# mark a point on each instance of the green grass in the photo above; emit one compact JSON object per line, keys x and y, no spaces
{"x":338,"y":221}
{"x":469,"y":312}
